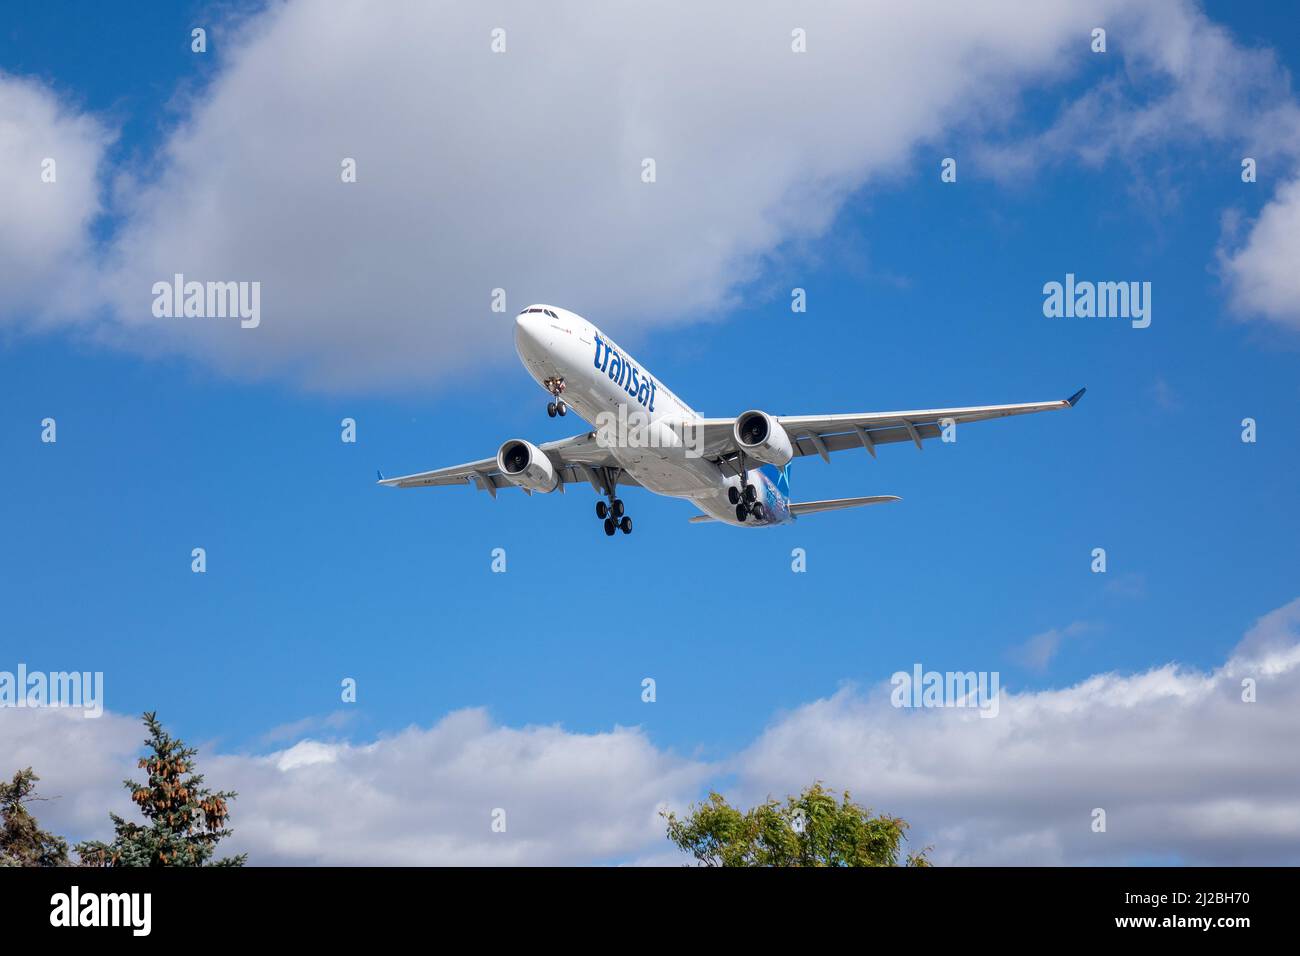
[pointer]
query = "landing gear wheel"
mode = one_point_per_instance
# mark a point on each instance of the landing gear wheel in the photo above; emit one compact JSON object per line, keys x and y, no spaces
{"x":758,"y":511}
{"x":610,"y":527}
{"x":625,"y":525}
{"x":733,"y":495}
{"x":741,"y":512}
{"x":616,"y":507}
{"x":602,"y":509}
{"x":750,"y":493}
{"x":556,"y":406}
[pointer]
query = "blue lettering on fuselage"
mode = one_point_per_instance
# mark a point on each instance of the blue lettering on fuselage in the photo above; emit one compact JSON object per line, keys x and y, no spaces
{"x":624,"y":371}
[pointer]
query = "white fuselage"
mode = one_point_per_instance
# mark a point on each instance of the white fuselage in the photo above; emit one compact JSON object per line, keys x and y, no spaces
{"x":605,"y":385}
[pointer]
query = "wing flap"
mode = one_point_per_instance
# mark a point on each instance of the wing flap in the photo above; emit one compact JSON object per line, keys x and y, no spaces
{"x":823,"y":434}
{"x":964,"y":415}
{"x":878,"y":436}
{"x":482,"y":472}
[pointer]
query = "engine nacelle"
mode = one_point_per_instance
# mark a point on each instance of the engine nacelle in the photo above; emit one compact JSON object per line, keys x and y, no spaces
{"x":526,"y":465}
{"x":761,"y":436}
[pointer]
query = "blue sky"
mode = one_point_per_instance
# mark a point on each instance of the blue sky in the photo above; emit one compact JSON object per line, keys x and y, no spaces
{"x":920,"y":294}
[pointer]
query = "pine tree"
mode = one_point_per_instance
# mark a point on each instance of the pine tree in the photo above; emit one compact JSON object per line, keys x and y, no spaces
{"x":22,"y":841}
{"x":184,"y":820}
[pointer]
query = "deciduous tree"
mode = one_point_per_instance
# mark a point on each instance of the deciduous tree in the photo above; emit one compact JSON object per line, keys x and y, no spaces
{"x":812,"y":829}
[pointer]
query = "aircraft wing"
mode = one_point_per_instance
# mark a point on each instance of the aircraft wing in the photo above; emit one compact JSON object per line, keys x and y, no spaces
{"x":576,"y":459}
{"x":823,"y":434}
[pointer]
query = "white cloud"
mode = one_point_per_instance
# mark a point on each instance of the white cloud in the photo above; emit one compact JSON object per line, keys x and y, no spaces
{"x":521,"y":170}
{"x":1185,"y":80}
{"x":1262,"y":273}
{"x":420,"y":796}
{"x":1188,"y":82}
{"x":1038,"y":651}
{"x":295,"y":730}
{"x":81,"y":764}
{"x":50,"y":166}
{"x":1184,"y":768}
{"x":428,"y":795}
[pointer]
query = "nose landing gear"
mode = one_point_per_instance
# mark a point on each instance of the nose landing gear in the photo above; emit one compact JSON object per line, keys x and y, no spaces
{"x":556,"y":387}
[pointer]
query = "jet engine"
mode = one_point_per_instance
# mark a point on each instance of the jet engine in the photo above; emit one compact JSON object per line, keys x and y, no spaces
{"x":761,"y":436}
{"x":526,"y":465}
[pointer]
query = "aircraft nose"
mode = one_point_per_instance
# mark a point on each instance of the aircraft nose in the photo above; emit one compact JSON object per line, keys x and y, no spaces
{"x":523,"y":324}
{"x":528,"y":329}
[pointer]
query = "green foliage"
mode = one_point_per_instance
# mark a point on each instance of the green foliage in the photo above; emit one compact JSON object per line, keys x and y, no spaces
{"x":813,"y":829}
{"x":22,"y":841}
{"x":184,"y":821}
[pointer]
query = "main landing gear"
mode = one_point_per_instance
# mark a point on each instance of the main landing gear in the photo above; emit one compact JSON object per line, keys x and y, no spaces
{"x":612,"y":513}
{"x":746,"y":501}
{"x":615,"y":519}
{"x":556,"y":387}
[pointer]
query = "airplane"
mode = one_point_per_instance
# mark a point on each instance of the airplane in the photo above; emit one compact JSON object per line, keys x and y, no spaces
{"x":734,"y":470}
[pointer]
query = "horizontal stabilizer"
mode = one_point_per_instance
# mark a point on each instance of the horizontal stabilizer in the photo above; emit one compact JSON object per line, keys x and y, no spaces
{"x":835,"y":504}
{"x":809,"y":507}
